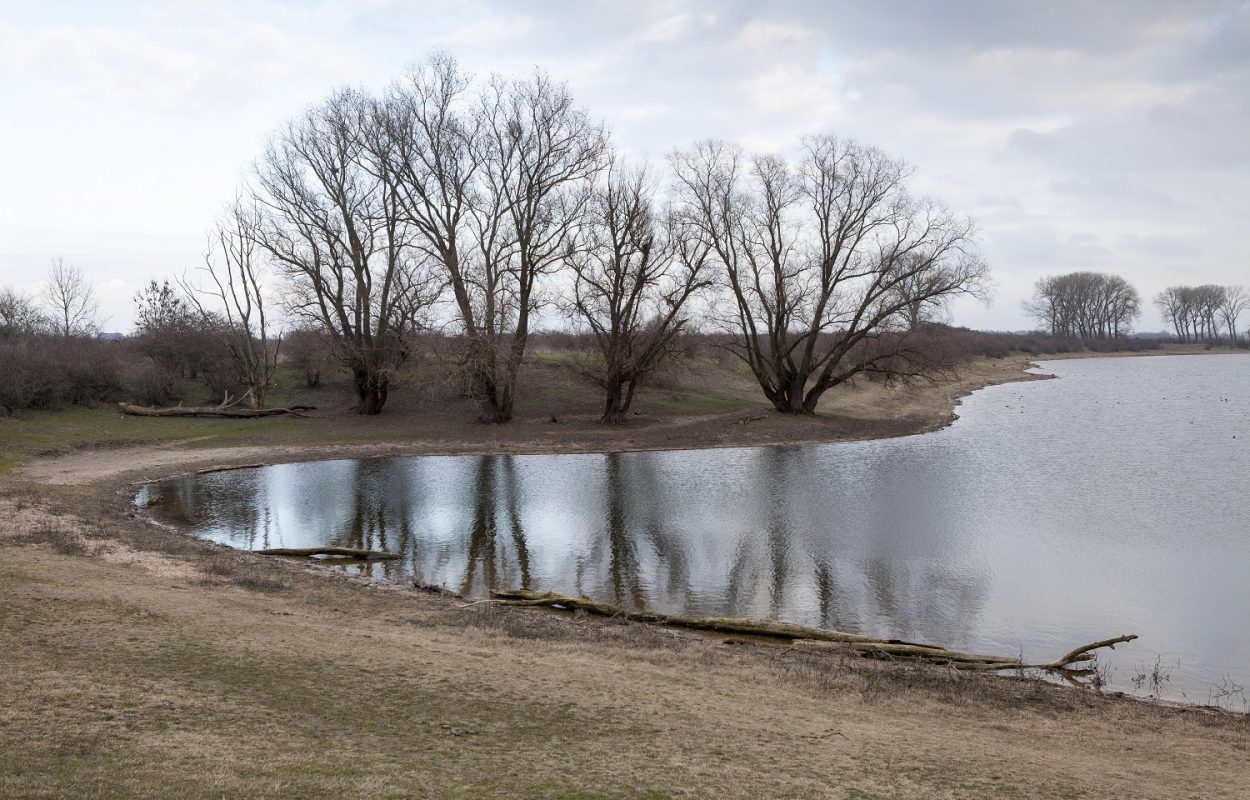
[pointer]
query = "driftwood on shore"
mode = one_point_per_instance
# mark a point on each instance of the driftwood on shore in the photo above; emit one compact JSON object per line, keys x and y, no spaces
{"x":210,"y":411}
{"x":802,"y":637}
{"x":347,"y":552}
{"x":228,"y":468}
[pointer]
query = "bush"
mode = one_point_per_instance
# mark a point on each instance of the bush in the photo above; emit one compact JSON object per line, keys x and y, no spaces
{"x":309,"y":350}
{"x":154,"y":385}
{"x":44,"y":372}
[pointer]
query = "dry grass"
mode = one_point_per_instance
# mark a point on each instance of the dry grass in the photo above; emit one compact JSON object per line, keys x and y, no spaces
{"x":254,"y":577}
{"x":53,"y":532}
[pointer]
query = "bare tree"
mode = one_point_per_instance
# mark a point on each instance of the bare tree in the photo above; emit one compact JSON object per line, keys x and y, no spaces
{"x":1085,"y":305}
{"x":232,"y":264}
{"x":1173,"y":305}
{"x":1195,"y":312}
{"x":496,"y":188}
{"x":634,"y":272}
{"x":72,"y":307}
{"x":822,"y":259}
{"x":1234,"y":303}
{"x":330,"y":219}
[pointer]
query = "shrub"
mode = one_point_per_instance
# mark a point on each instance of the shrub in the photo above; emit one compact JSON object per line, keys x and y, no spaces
{"x":43,"y":372}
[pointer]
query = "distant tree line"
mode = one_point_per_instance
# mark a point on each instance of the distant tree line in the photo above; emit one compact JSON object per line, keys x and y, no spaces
{"x":1205,"y":313}
{"x":1085,"y":305}
{"x":1095,"y":305}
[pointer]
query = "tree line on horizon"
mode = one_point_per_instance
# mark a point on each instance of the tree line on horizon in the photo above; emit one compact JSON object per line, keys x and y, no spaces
{"x":1096,"y":305}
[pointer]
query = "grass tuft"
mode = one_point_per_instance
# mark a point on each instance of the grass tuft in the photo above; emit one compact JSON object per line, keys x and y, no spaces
{"x":245,"y":576}
{"x":63,"y":541}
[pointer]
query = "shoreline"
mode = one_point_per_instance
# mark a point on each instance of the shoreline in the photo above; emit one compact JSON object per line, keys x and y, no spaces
{"x":160,"y":461}
{"x":848,"y":417}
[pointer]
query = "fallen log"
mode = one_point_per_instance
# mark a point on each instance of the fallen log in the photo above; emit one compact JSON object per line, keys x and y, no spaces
{"x":740,"y":625}
{"x":805,"y":638}
{"x":347,"y":552}
{"x":228,"y":468}
{"x":210,"y":411}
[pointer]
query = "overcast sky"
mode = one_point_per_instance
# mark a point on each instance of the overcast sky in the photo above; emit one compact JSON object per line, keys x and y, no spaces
{"x":1112,"y":136}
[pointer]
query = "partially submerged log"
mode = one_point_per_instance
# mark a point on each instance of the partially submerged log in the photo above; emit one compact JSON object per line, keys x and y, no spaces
{"x":753,"y":627}
{"x":805,"y":638}
{"x":228,"y":468}
{"x":210,"y":411}
{"x":345,"y":552}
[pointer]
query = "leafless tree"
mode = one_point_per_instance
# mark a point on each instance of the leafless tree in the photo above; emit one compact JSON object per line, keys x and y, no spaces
{"x":495,"y":185}
{"x":237,"y":296}
{"x":1233,"y":304}
{"x":1085,"y":305}
{"x":331,"y":221}
{"x":72,"y":307}
{"x":823,"y":259}
{"x":1195,"y":312}
{"x":19,"y":314}
{"x":634,"y":271}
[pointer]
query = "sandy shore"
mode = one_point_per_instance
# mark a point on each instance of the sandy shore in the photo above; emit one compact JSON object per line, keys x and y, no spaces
{"x":137,"y":662}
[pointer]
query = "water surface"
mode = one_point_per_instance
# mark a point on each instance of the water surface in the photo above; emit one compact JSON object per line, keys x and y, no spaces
{"x":1113,"y":500}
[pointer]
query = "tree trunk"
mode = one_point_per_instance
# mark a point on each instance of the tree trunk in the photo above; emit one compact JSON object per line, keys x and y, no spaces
{"x":789,"y":398}
{"x":619,"y":395}
{"x":371,"y":391}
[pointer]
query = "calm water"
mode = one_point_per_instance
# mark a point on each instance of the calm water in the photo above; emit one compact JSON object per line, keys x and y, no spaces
{"x":1113,"y":500}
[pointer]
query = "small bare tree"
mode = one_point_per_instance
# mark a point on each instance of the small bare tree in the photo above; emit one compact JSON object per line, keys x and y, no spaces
{"x":822,"y":260}
{"x":72,"y":307}
{"x":634,"y":271}
{"x":330,"y":219}
{"x":237,"y":296}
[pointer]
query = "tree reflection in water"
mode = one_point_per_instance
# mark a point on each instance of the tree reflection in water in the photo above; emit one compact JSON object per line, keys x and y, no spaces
{"x":486,"y":562}
{"x":797,"y":541}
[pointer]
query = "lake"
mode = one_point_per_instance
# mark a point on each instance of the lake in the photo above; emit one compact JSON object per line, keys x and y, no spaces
{"x":1115,"y":499}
